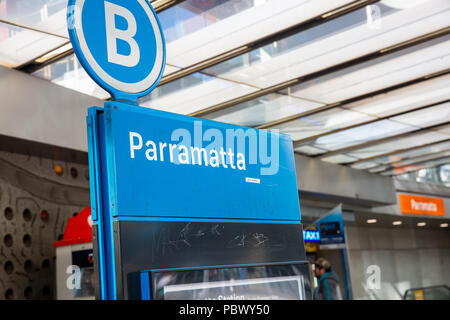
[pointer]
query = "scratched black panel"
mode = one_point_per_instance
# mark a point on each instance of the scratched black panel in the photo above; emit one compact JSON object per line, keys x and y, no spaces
{"x":160,"y":245}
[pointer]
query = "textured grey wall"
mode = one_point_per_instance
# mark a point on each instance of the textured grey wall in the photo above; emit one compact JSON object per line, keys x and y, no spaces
{"x":29,"y":185}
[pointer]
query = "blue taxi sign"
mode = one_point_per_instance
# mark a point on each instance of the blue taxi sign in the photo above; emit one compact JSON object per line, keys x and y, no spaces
{"x":119,"y":43}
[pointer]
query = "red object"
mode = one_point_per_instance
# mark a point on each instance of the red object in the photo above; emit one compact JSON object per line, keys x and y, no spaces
{"x":78,"y":229}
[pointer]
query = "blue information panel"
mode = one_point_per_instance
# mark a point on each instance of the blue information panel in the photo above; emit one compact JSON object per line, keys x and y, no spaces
{"x":166,"y":165}
{"x":331,"y":229}
{"x":165,"y":186}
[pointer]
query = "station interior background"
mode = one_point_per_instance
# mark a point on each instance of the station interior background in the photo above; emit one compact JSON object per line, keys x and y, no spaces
{"x":362,"y":87}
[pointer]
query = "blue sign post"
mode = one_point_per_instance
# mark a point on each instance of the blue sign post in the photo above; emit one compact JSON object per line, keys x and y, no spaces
{"x":168,"y":193}
{"x":119,"y":43}
{"x":175,"y":193}
{"x":332,"y":236}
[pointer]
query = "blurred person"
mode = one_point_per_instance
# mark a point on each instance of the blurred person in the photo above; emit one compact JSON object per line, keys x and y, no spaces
{"x":327,"y":282}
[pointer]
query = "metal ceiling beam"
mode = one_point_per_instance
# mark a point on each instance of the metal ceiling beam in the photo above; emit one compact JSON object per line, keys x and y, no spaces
{"x":350,"y":63}
{"x":296,"y":142}
{"x":320,"y":19}
{"x":377,"y":141}
{"x":354,"y":99}
{"x":32,"y":29}
{"x":49,"y":60}
{"x":244,"y":98}
{"x":387,"y":154}
{"x":31,"y":66}
{"x":160,"y":5}
{"x":430,"y":166}
{"x":390,"y":166}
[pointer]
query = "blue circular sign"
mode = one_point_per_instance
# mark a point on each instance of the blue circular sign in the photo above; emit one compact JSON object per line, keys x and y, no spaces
{"x":119,"y":43}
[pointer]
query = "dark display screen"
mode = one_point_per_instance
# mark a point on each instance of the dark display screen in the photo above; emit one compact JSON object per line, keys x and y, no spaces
{"x":275,"y":282}
{"x":330,"y":229}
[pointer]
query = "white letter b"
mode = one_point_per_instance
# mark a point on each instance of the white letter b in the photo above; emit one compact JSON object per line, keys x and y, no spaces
{"x":112,"y":34}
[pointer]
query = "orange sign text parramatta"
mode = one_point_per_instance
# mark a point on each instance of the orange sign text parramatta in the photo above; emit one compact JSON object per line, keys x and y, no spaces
{"x":411,"y":204}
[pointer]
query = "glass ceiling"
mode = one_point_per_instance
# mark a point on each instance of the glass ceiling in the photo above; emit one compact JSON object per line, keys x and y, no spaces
{"x":277,"y":63}
{"x":335,"y":86}
{"x":417,"y":166}
{"x":439,"y":175}
{"x":19,"y":45}
{"x":413,"y":140}
{"x":362,"y":134}
{"x":197,"y":30}
{"x":389,"y":70}
{"x":382,"y":161}
{"x":415,"y":160}
{"x":44,"y":15}
{"x":262,"y":110}
{"x":395,"y":102}
{"x":69,"y":73}
{"x":408,"y":98}
{"x":331,"y":43}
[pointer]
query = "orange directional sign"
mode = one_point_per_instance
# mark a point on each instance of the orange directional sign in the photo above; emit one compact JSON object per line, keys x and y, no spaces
{"x":412,"y":204}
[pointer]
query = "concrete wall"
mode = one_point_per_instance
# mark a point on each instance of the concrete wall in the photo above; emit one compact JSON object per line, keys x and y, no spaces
{"x":408,"y":258}
{"x":421,"y":189}
{"x":321,"y":178}
{"x":38,"y":110}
